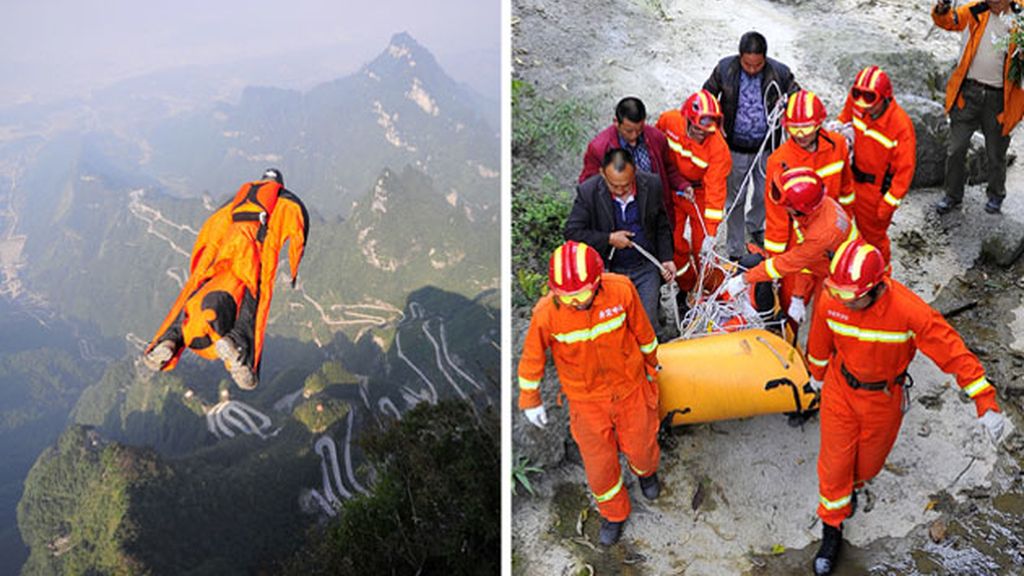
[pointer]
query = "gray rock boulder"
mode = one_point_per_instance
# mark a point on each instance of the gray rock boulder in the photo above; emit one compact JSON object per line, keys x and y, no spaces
{"x":544,"y":448}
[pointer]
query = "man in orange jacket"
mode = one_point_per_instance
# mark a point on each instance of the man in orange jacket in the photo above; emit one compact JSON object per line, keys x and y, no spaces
{"x":820,"y":225}
{"x":866,"y":329}
{"x":811,"y":146}
{"x":884,"y":154}
{"x":701,"y":156}
{"x":605,"y":352}
{"x":981,"y":94}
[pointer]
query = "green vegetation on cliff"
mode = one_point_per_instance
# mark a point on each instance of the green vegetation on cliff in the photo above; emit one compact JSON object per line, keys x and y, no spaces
{"x":436,"y":506}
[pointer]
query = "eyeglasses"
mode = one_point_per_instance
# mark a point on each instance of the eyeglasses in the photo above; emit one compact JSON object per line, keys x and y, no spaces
{"x":865,"y":96}
{"x":575,"y":298}
{"x":801,"y":131}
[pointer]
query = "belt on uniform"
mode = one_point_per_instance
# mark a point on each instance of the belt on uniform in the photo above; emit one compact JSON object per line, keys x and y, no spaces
{"x":861,"y":176}
{"x":982,"y":85}
{"x":856,"y":384}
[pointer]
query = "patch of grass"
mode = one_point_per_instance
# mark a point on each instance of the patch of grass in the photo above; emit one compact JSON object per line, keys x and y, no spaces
{"x":548,"y":138}
{"x":521,"y":471}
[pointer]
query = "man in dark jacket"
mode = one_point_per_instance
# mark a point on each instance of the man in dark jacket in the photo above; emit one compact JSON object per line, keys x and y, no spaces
{"x":620,"y":207}
{"x":749,"y":86}
{"x":646,"y":143}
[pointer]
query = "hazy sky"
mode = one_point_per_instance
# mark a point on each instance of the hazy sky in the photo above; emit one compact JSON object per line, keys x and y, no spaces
{"x":52,"y":48}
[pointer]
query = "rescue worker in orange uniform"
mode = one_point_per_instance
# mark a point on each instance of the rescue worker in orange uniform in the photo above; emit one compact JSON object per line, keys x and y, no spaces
{"x":866,"y":329}
{"x":701,"y":156}
{"x":222,"y":310}
{"x":605,"y":352}
{"x":812,"y":146}
{"x":884,"y":154}
{"x":820,"y":225}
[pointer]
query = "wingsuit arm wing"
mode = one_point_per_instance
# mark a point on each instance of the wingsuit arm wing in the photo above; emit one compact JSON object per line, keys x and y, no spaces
{"x":288,"y":223}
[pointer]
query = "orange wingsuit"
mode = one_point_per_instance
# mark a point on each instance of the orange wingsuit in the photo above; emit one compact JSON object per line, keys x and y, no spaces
{"x":706,"y":165}
{"x":884,"y":158}
{"x":606,"y":357}
{"x":816,"y":237}
{"x":859,"y":426}
{"x":233,"y":267}
{"x":829,"y":161}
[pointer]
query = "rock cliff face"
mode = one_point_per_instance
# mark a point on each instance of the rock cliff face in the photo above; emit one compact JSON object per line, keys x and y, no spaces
{"x":746,"y":485}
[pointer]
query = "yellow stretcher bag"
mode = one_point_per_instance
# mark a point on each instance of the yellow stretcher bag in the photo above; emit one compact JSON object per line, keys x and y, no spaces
{"x":732,"y":375}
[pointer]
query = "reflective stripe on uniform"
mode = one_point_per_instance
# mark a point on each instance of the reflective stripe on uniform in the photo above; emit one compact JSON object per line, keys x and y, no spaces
{"x":799,"y":233}
{"x":777,"y":247}
{"x":830,"y":169}
{"x":526,"y":384}
{"x":865,"y":335}
{"x":834,"y":504}
{"x":848,"y":199}
{"x":591,"y":333}
{"x":891,"y":200}
{"x":874,"y":134}
{"x":637,"y":471}
{"x":648,"y":348}
{"x":817,"y":362}
{"x":713,"y":214}
{"x":678,"y":148}
{"x":611,"y":493}
{"x":977,"y":387}
{"x":769,"y":267}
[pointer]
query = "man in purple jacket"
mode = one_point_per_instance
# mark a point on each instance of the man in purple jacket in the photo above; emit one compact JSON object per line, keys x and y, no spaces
{"x":646,"y":143}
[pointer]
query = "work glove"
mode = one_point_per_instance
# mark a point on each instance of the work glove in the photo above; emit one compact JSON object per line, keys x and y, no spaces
{"x":816,"y":384}
{"x":707,"y":247}
{"x":537,"y":416}
{"x":735,"y":285}
{"x":994,"y":423}
{"x":797,"y":311}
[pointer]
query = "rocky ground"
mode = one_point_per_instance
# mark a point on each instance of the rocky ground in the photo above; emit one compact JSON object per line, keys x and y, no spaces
{"x":740,"y":496}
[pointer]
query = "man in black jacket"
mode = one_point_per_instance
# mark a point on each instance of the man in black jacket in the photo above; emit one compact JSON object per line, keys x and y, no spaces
{"x":750,"y":86}
{"x":620,"y":207}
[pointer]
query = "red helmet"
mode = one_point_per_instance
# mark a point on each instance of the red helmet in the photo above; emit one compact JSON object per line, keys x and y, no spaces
{"x":856,"y":268}
{"x":870,"y":85}
{"x":798,"y":188}
{"x":703,"y":110}
{"x":804,"y":113}
{"x":574,"y":267}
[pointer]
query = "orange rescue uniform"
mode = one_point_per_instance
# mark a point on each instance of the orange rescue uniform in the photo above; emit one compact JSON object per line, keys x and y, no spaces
{"x":606,"y":357}
{"x":875,"y":346}
{"x":706,"y":165}
{"x":829,"y":161}
{"x":804,"y":265}
{"x":884,"y":158}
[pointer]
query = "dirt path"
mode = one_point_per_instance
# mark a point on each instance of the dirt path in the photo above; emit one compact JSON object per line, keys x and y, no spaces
{"x":742,"y":487}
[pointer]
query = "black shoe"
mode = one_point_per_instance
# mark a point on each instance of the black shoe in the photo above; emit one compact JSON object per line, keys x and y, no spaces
{"x":947,"y":205}
{"x":994,"y":205}
{"x":650,"y":486}
{"x":828,"y":553}
{"x":610,"y":532}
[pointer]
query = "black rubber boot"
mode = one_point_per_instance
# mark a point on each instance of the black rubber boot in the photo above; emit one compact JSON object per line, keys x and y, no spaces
{"x":828,"y":553}
{"x":610,"y":532}
{"x":650,"y":486}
